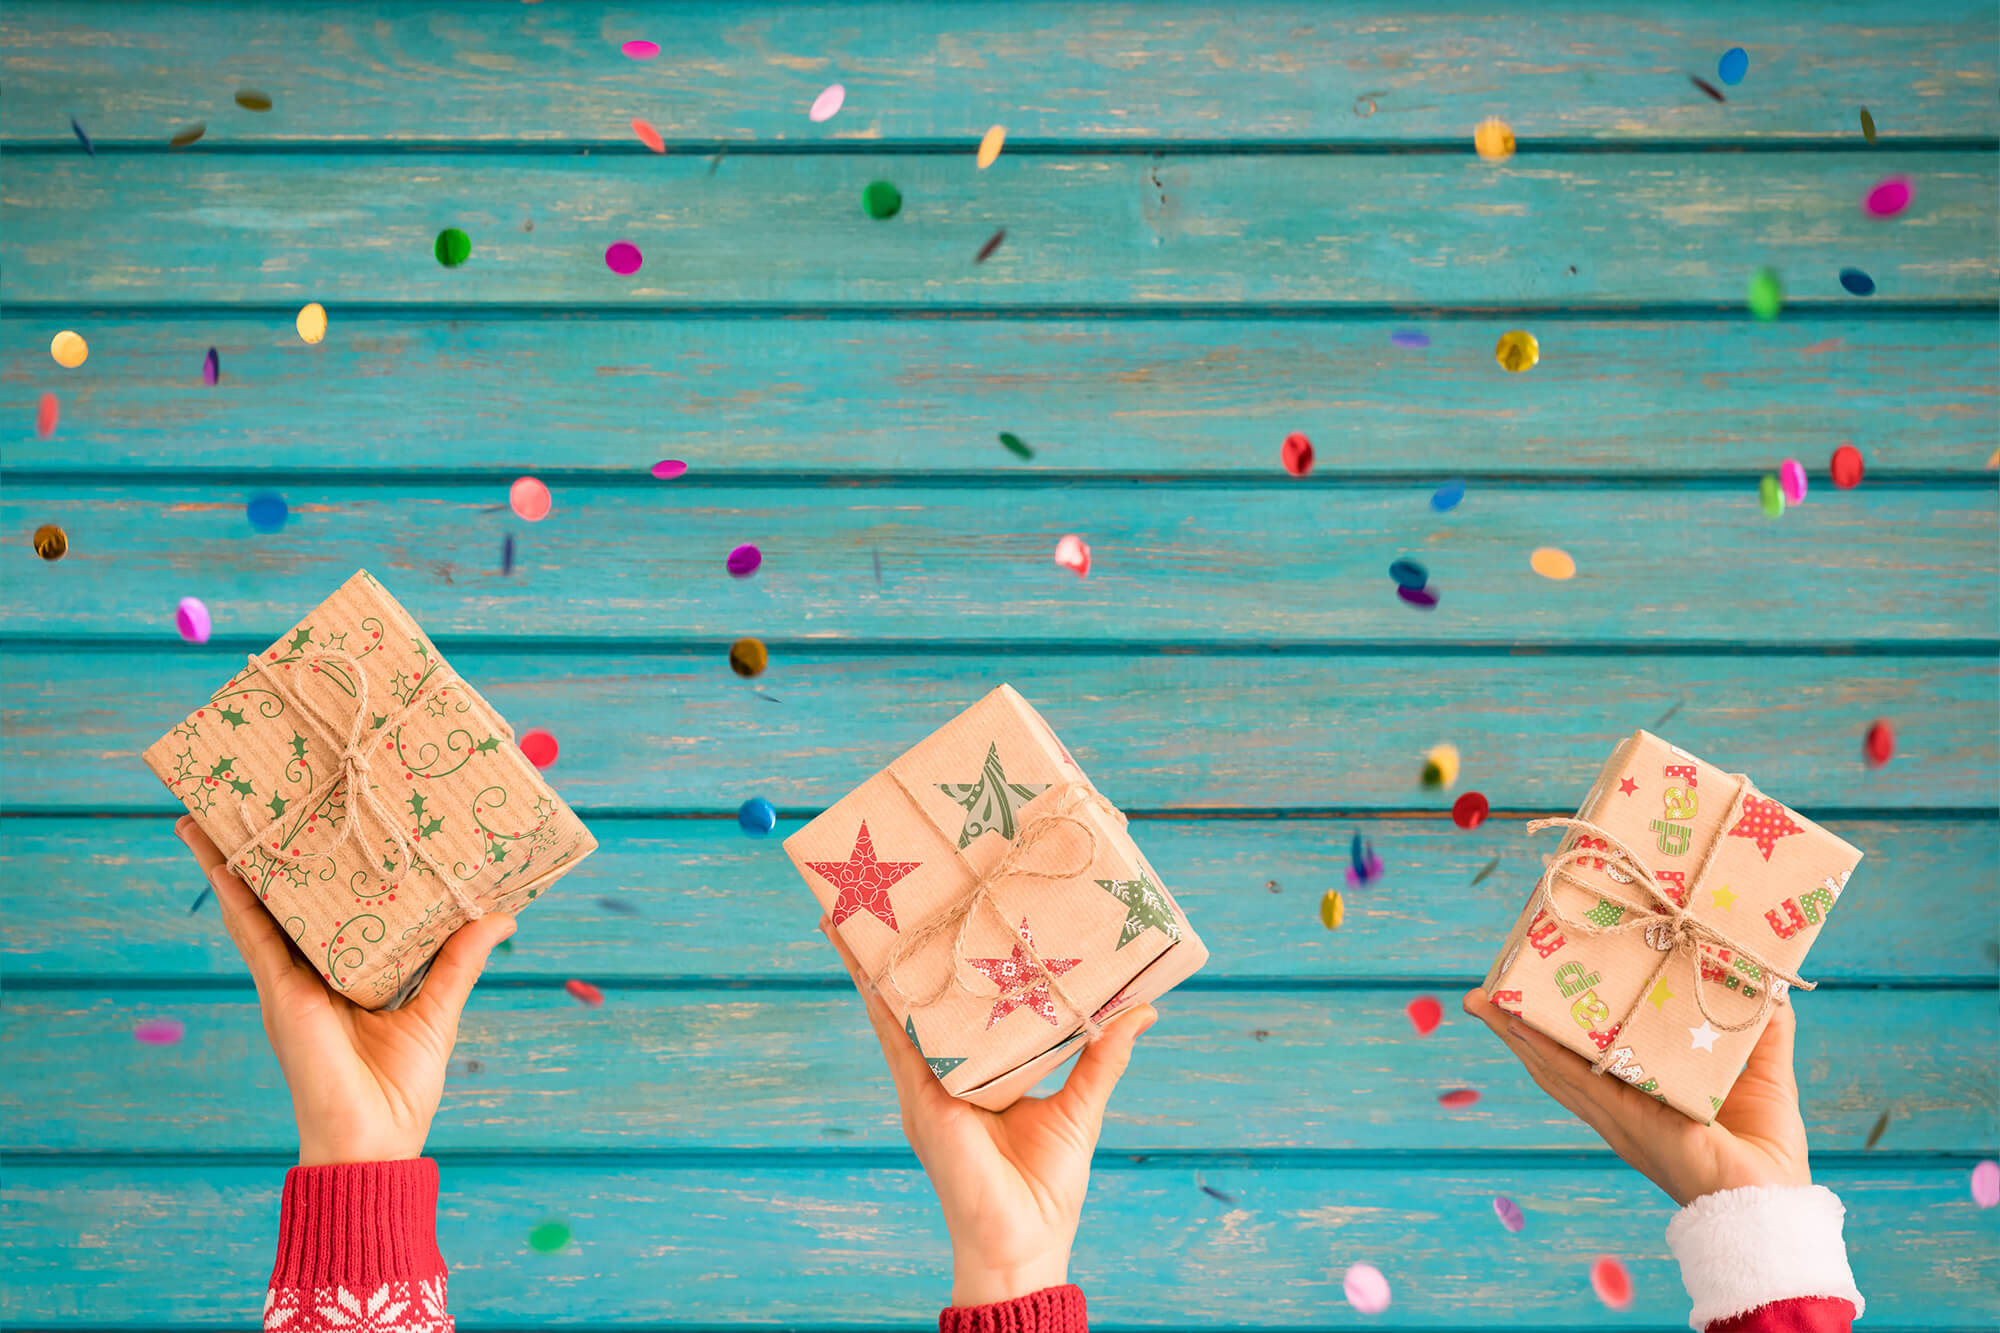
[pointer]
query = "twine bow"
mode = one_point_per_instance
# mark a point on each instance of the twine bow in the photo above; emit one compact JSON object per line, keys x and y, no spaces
{"x":955,"y":917}
{"x":1668,"y":926}
{"x":354,"y":770}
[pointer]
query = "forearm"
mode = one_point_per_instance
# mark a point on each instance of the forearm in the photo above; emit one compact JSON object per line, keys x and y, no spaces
{"x":357,"y":1247}
{"x":1769,"y":1259}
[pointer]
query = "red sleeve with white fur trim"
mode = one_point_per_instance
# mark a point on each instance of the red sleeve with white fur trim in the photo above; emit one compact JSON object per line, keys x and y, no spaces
{"x":1051,"y":1310}
{"x":1807,"y":1314}
{"x":1767,"y":1259}
{"x":357,"y":1251}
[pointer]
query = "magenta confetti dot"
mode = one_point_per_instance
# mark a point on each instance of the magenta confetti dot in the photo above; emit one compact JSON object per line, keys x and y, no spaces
{"x":1792,"y":481}
{"x":1508,"y":1212}
{"x":1410,"y":338}
{"x":191,"y":619}
{"x":159,"y":1031}
{"x":743,"y":561}
{"x":623,"y":258}
{"x":1423,"y":597}
{"x":640,"y":49}
{"x":669,"y":468}
{"x":1986,"y":1184}
{"x":1888,"y":198}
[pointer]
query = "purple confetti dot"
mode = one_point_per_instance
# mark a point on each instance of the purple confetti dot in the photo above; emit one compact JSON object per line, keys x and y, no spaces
{"x":1509,"y":1213}
{"x":159,"y":1031}
{"x":669,"y":468}
{"x":1420,"y":597}
{"x":1410,"y":338}
{"x":211,"y":368}
{"x":743,"y":561}
{"x":1986,"y":1184}
{"x":623,"y":258}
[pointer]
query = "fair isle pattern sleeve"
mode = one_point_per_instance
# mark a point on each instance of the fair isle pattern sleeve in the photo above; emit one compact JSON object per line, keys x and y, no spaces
{"x":357,"y":1251}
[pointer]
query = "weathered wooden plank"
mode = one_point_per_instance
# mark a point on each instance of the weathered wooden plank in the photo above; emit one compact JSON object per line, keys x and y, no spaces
{"x":687,"y":898}
{"x":749,"y":1068}
{"x":1180,"y":563}
{"x":1148,"y":230}
{"x":588,"y":394}
{"x":1283,"y":72}
{"x":676,"y":730}
{"x":859,"y":1244}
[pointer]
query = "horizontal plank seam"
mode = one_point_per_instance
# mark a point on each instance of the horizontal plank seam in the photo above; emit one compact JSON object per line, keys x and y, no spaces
{"x":1664,"y":312}
{"x":1915,"y":814}
{"x":836,"y":983}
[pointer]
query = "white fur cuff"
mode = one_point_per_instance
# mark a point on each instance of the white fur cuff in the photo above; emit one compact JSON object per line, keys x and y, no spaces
{"x":1742,"y":1248}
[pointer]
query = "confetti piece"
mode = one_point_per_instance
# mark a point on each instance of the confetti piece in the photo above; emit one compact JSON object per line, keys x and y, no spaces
{"x":648,"y":135}
{"x":989,"y":146}
{"x":1486,"y":870}
{"x":756,"y":816}
{"x":1552,"y":562}
{"x":1494,"y":139}
{"x":1412,"y":338}
{"x":69,"y":349}
{"x":191,"y":619}
{"x":47,"y":413}
{"x":1016,"y":445}
{"x":992,"y":244}
{"x":1707,"y":87}
{"x":1425,"y":1014}
{"x":1770,"y":496}
{"x":1856,"y":282}
{"x":1611,"y":1282}
{"x":453,"y":247}
{"x":1880,"y":743}
{"x":827,"y":105}
{"x":1296,"y":453}
{"x":529,"y":499}
{"x":539,"y":748}
{"x":250,"y":99}
{"x":1332,"y":909}
{"x":1446,"y":497}
{"x":1880,"y":1128}
{"x":1888,"y":198}
{"x":1735,"y":63}
{"x":1517,"y":351}
{"x":749,"y":657}
{"x":266,"y":511}
{"x":199,"y":899}
{"x":1441,"y":766}
{"x":1792,"y":481}
{"x":312,"y":322}
{"x":623,"y":258}
{"x":81,"y":137}
{"x":1409,"y":574}
{"x":640,"y":49}
{"x":1470,"y":810}
{"x":1458,"y":1097}
{"x":1986,"y":1184}
{"x":1867,"y":125}
{"x":1423,"y":598}
{"x":585,"y":994}
{"x":743,"y":561}
{"x":159,"y":1031}
{"x":51,"y":542}
{"x":1073,"y":554}
{"x":1847,"y":467}
{"x":187,"y":134}
{"x":1216,"y":1194}
{"x":548,"y":1237}
{"x":211,"y":368}
{"x":669,"y":468}
{"x":1364,"y":866}
{"x":881,"y":200}
{"x":1364,"y":106}
{"x":1365,"y":1288}
{"x":1766,"y":294}
{"x":1509,"y":1213}
{"x":507,"y":554}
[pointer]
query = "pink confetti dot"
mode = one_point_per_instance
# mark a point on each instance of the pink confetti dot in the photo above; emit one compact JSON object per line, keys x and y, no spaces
{"x":669,"y":468}
{"x":1986,"y":1184}
{"x":1611,"y":1282}
{"x":640,"y":49}
{"x":539,"y":747}
{"x":1365,"y":1288}
{"x":585,"y":994}
{"x":1073,"y":554}
{"x":743,"y":561}
{"x":159,"y":1031}
{"x":623,"y":258}
{"x":1425,"y":1014}
{"x":191,"y":619}
{"x":1792,"y":481}
{"x":1508,"y":1212}
{"x":529,"y":499}
{"x":827,"y":105}
{"x":1888,"y":198}
{"x":1458,"y":1097}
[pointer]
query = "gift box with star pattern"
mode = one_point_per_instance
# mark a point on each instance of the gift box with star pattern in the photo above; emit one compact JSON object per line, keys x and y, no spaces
{"x":997,"y":899}
{"x":1667,"y":921}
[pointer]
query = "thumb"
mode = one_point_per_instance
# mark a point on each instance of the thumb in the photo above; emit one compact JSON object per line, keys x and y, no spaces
{"x":458,"y":965}
{"x":1088,"y":1087}
{"x":1771,"y":1058}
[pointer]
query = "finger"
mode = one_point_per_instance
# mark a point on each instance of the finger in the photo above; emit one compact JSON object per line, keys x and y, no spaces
{"x":1772,"y":1057}
{"x":456,"y":968}
{"x":907,"y":1069}
{"x":1619,"y":1113}
{"x":206,"y":853}
{"x":1098,"y":1069}
{"x":266,"y":951}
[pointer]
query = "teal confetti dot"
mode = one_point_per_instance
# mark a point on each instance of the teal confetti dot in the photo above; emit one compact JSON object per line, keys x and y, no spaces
{"x":453,"y":247}
{"x":881,"y":200}
{"x":757,"y":817}
{"x":548,"y":1237}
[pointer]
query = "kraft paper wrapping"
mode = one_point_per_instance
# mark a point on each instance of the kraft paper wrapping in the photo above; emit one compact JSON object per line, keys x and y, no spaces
{"x":1742,"y":864}
{"x":470,"y":826}
{"x":908,"y":843}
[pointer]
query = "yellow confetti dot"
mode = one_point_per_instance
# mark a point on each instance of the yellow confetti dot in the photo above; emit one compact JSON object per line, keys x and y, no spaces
{"x":1552,"y":562}
{"x":1517,"y":351}
{"x":69,"y":349}
{"x":1494,"y":139}
{"x":989,"y":147}
{"x":1332,"y":910}
{"x":312,"y":322}
{"x":1441,"y":766}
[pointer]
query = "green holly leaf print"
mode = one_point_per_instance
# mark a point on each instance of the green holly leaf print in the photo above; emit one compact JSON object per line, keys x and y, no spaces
{"x":222,"y":767}
{"x":277,"y":806}
{"x":388,"y":866}
{"x":487,"y":746}
{"x":376,"y":720}
{"x":430,"y":826}
{"x":499,"y":852}
{"x":434,"y":706}
{"x":242,"y":786}
{"x":188,"y":730}
{"x":417,"y":806}
{"x":298,"y":746}
{"x":233,"y":716}
{"x":185,"y":767}
{"x":301,"y":640}
{"x":200,"y":798}
{"x":337,"y":641}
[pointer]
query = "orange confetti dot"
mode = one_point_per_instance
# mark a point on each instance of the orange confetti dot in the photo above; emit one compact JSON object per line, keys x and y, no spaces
{"x":648,"y":135}
{"x":1552,"y":562}
{"x":989,"y":147}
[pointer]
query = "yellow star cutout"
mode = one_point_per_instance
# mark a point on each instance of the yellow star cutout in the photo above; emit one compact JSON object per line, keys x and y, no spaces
{"x":1659,"y":995}
{"x":1723,"y":898}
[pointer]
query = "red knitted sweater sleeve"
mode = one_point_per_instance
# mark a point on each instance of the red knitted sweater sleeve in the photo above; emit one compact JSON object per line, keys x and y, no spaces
{"x":357,"y":1251}
{"x":1050,"y":1310}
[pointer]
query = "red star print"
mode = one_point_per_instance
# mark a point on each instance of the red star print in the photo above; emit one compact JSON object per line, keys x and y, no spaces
{"x":1021,"y":982}
{"x":1628,"y":786}
{"x":1764,"y":822}
{"x":863,"y":881}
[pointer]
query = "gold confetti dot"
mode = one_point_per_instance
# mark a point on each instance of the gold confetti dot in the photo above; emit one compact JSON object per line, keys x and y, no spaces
{"x":312,"y":322}
{"x":989,"y":147}
{"x":1441,"y":766}
{"x":1332,"y":910}
{"x":749,"y":657}
{"x":69,"y":349}
{"x":187,"y":134}
{"x":253,"y":99}
{"x":1494,"y":139}
{"x":51,"y":542}
{"x":1517,"y":351}
{"x":1552,"y":562}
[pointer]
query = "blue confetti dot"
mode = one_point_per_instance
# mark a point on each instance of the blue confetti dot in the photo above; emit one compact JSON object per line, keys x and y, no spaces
{"x":1447,"y":496}
{"x":1735,"y":63}
{"x":1410,"y":338}
{"x":756,"y":816}
{"x":267,"y":511}
{"x":1857,"y":282}
{"x":1409,"y":574}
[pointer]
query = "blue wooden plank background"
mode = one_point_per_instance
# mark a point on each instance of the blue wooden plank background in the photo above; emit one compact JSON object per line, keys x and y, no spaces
{"x":1217,"y":220}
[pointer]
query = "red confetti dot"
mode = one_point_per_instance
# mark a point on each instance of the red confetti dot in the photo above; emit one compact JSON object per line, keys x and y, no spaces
{"x":1611,"y":1282}
{"x":585,"y":993}
{"x":47,"y":413}
{"x":1880,"y":744}
{"x":529,"y":498}
{"x":1847,"y":467}
{"x":1297,"y":454}
{"x":1425,"y":1014}
{"x":539,"y":747}
{"x":1458,"y":1097}
{"x":1469,"y":810}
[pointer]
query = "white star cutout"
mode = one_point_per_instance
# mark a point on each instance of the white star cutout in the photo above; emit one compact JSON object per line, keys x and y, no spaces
{"x":1704,"y":1038}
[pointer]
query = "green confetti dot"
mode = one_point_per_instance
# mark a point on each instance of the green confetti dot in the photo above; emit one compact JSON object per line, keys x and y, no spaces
{"x":881,"y":200}
{"x":549,"y":1237}
{"x":1767,"y":294}
{"x":1770,"y":496}
{"x":454,"y":247}
{"x":1016,"y":445}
